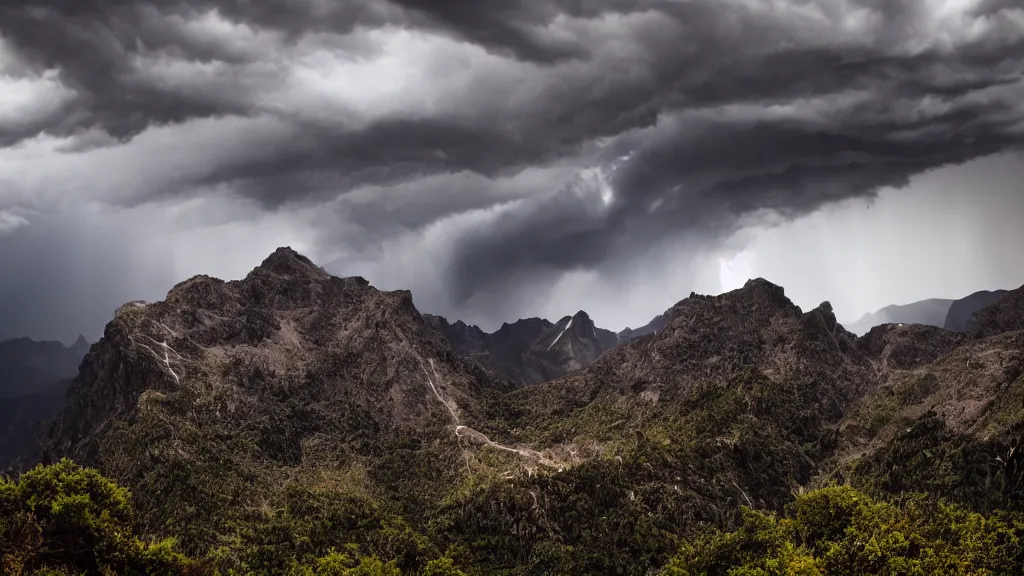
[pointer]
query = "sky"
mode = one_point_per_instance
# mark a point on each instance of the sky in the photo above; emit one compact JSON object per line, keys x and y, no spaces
{"x":510,"y":159}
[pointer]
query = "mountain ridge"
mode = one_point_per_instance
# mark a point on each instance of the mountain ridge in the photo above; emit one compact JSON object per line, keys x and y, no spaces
{"x":928,"y":312}
{"x":227,"y":405}
{"x":27,"y":366}
{"x":532,"y":350}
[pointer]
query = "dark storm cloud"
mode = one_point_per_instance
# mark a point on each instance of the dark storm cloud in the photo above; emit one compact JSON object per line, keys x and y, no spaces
{"x":511,"y":27}
{"x":386,"y":153}
{"x":702,"y":172}
{"x":702,"y":175}
{"x":722,"y":108}
{"x":93,"y":44}
{"x":542,"y":235}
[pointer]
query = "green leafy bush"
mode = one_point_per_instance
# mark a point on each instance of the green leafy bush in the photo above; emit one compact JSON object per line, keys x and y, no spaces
{"x":65,"y":519}
{"x":839,"y":531}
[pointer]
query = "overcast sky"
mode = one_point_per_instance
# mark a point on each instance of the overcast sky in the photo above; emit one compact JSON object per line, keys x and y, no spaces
{"x":513,"y":158}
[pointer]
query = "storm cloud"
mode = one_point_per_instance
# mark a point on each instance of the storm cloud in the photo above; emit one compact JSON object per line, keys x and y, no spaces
{"x":524,"y":140}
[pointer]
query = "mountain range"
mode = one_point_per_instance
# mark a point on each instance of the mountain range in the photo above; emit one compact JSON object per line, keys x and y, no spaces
{"x":960,"y":317}
{"x":264,"y":422}
{"x":535,"y":350}
{"x":27,"y":367}
{"x":34,"y":378}
{"x":953,"y":315}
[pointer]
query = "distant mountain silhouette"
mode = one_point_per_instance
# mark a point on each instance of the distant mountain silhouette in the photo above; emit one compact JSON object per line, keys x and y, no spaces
{"x":532,"y":350}
{"x":34,"y":378}
{"x":535,"y":350}
{"x":28,"y":367}
{"x":22,"y":418}
{"x":961,"y":313}
{"x":931,"y":312}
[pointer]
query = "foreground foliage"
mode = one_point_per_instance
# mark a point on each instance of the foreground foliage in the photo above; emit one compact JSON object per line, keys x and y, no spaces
{"x":64,"y":519}
{"x":840,"y":531}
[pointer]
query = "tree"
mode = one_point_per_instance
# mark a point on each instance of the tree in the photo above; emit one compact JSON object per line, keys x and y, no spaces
{"x":65,"y":518}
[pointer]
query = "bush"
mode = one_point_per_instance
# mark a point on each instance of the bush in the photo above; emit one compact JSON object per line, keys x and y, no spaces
{"x":839,"y":531}
{"x":65,"y":519}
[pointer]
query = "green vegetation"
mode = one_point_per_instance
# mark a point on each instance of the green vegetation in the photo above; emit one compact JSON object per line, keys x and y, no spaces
{"x":928,"y":457}
{"x":64,"y":519}
{"x":839,"y":531}
{"x":67,"y":520}
{"x":705,"y":481}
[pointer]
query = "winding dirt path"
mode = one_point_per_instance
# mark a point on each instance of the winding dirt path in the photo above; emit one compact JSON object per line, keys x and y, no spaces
{"x":478,"y":437}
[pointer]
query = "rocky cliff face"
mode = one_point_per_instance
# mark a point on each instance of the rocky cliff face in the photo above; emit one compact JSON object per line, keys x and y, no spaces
{"x":573,"y":343}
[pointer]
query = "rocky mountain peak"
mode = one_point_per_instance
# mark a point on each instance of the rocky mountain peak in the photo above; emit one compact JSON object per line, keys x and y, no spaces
{"x":827,"y":315}
{"x":80,"y":343}
{"x":530,"y":350}
{"x":201,"y":292}
{"x":755,"y":304}
{"x":581,"y":316}
{"x":286,"y":335}
{"x":287,"y":262}
{"x":759,"y":290}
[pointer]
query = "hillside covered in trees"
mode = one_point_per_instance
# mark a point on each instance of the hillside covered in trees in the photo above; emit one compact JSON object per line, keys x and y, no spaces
{"x":297,"y":423}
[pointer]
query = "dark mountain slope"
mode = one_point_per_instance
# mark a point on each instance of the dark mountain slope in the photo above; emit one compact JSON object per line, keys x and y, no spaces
{"x":658,"y":323}
{"x":34,"y":378}
{"x":1004,"y":315}
{"x":506,"y":352}
{"x":22,"y":418}
{"x":28,"y":367}
{"x":961,"y":313}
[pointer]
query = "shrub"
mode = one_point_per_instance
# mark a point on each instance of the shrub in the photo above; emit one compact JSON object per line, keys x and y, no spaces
{"x":839,"y":531}
{"x":65,"y":519}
